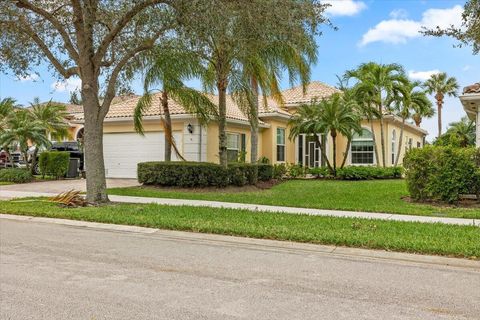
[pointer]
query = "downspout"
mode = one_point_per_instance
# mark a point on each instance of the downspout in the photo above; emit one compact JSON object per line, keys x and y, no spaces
{"x":200,"y":145}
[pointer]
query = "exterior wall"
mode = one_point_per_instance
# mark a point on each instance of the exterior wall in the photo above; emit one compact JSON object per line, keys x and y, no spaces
{"x":195,"y":143}
{"x":213,"y":140}
{"x":269,"y":142}
{"x":478,"y":127}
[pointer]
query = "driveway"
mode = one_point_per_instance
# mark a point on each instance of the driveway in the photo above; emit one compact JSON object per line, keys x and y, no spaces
{"x":58,"y":186}
{"x":52,"y":271}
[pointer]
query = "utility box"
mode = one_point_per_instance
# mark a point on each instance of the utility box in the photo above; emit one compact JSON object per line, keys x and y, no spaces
{"x":73,"y":167}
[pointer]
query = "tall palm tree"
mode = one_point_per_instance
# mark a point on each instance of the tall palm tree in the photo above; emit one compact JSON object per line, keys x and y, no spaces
{"x":441,"y":85}
{"x":421,"y":112}
{"x":332,"y":116}
{"x":459,"y":134}
{"x":411,"y":101}
{"x":22,"y":129}
{"x":376,"y":83}
{"x":169,"y":68}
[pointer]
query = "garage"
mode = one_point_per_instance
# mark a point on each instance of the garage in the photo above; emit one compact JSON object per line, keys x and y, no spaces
{"x":123,"y":151}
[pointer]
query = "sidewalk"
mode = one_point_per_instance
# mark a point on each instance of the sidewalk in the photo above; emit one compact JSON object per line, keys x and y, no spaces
{"x":5,"y":194}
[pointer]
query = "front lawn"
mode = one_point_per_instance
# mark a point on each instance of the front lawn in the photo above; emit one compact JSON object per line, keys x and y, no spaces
{"x":5,"y":183}
{"x":371,"y":196}
{"x":425,"y":238}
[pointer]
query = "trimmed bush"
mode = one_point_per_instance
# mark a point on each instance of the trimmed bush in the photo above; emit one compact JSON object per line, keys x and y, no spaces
{"x":54,"y":163}
{"x":319,"y":172}
{"x":442,"y":173}
{"x":279,"y":170}
{"x":265,"y":172}
{"x":15,"y":175}
{"x":369,"y":173}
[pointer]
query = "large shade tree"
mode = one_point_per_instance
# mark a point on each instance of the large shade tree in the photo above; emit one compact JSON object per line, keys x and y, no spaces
{"x":441,"y":85}
{"x":89,"y":39}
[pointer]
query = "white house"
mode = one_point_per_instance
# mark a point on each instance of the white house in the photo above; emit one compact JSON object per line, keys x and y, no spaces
{"x":471,"y":103}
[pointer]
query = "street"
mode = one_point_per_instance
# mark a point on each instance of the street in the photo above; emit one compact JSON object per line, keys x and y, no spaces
{"x":54,"y":271}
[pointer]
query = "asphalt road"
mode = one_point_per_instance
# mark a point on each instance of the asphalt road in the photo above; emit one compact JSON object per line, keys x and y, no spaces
{"x":51,"y":271}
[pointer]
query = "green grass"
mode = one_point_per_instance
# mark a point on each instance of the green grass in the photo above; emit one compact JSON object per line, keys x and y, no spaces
{"x":371,"y":196}
{"x":5,"y":183}
{"x":449,"y":240}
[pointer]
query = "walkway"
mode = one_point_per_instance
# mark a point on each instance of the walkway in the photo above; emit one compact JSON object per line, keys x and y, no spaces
{"x":10,"y":194}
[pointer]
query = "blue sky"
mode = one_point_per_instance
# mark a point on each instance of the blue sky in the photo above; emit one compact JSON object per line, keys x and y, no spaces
{"x":384,"y":31}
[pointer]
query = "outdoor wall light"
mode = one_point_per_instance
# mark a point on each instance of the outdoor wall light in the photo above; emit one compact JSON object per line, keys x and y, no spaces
{"x":190,"y":128}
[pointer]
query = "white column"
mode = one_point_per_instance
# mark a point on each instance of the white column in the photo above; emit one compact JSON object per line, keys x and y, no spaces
{"x":478,"y":126}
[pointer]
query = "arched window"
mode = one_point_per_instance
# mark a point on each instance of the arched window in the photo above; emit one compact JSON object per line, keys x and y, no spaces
{"x":394,"y":146}
{"x":362,"y":148}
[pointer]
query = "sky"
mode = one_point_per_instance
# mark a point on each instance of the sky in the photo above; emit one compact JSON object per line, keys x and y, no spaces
{"x":384,"y":31}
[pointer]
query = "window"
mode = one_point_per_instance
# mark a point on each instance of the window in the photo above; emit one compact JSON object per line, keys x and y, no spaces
{"x":410,"y":144}
{"x":362,"y":149}
{"x":419,"y":145}
{"x":300,"y":149}
{"x":280,"y":144}
{"x":394,"y":147}
{"x":236,"y":144}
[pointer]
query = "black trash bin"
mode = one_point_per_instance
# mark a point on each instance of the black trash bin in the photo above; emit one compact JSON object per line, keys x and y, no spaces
{"x":73,"y":167}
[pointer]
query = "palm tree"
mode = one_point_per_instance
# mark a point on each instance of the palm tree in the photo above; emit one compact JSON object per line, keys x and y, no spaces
{"x":441,"y":84}
{"x":52,"y":117}
{"x":169,"y":68}
{"x":22,"y":128}
{"x":332,"y":116}
{"x":460,"y":134}
{"x":422,"y":111}
{"x":7,"y":106}
{"x":410,"y":101}
{"x":376,"y":83}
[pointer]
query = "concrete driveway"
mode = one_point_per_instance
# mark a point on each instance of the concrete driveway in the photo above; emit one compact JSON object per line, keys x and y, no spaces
{"x":58,"y":186}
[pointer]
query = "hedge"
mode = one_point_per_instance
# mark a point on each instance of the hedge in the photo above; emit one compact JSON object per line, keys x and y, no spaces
{"x":201,"y":174}
{"x":54,"y":163}
{"x":369,"y":173}
{"x":15,"y":175}
{"x":442,"y":173}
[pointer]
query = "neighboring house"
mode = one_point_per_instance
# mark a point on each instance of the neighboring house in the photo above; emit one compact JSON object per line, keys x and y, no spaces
{"x":471,"y":103}
{"x":123,"y":148}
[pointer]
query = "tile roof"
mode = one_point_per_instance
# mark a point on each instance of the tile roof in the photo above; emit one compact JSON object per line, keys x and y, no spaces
{"x":474,"y":88}
{"x":314,"y":90}
{"x":123,"y":106}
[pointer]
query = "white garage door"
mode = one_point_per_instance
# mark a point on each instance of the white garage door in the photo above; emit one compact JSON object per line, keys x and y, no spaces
{"x":123,"y":151}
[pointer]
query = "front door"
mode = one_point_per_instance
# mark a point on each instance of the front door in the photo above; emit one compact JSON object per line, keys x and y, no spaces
{"x":309,"y":154}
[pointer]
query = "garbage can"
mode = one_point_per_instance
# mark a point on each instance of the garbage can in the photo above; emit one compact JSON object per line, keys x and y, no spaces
{"x":73,"y":166}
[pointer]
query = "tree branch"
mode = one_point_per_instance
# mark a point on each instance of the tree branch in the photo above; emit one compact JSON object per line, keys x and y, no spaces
{"x":127,"y":17}
{"x":66,"y":73}
{"x":61,"y":30}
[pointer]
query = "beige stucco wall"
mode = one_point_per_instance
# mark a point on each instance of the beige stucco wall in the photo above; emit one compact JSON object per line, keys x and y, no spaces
{"x":269,"y":141}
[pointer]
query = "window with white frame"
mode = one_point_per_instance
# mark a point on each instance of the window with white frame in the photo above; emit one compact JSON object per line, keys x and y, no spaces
{"x":233,"y":146}
{"x":362,"y":148}
{"x":280,"y":144}
{"x":394,"y":145}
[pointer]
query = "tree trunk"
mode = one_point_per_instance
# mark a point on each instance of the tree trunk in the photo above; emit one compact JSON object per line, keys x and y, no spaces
{"x":333,"y":134}
{"x":323,"y":151}
{"x":34,"y":160}
{"x":382,"y":142}
{"x":254,"y":123}
{"x":222,"y":121}
{"x":400,"y":141}
{"x":345,"y":156}
{"x":439,"y":98}
{"x":94,"y":161}
{"x":167,"y":126}
{"x":375,"y":148}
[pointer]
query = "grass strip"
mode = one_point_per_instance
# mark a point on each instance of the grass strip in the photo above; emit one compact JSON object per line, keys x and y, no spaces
{"x":413,"y":237}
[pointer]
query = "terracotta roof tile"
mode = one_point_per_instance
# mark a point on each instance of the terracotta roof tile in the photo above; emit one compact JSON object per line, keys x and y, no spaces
{"x":474,"y":88}
{"x":314,"y":90}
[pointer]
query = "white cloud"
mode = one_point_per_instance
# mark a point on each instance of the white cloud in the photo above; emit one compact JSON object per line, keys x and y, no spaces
{"x":398,"y":30}
{"x":399,"y":14}
{"x":421,"y":75}
{"x":344,"y":7}
{"x":466,"y":67}
{"x":28,"y":77}
{"x":69,"y":85}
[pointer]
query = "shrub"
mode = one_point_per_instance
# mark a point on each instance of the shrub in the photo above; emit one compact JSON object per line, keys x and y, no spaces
{"x":319,"y":172}
{"x":368,"y":173}
{"x":240,"y":174}
{"x":295,"y":171}
{"x":265,"y":172}
{"x":442,"y":173}
{"x":279,"y":171}
{"x":15,"y":175}
{"x":54,"y":163}
{"x":183,"y":174}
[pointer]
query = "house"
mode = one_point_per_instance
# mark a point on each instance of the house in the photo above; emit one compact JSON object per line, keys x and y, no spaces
{"x":123,"y":148}
{"x":471,"y":103}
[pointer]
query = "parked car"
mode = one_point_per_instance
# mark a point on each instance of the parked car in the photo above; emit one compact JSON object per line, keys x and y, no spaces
{"x":72,"y":147}
{"x":12,"y":159}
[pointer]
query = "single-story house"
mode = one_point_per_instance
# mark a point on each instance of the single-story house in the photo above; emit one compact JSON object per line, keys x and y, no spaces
{"x":471,"y":103}
{"x":124,"y":148}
